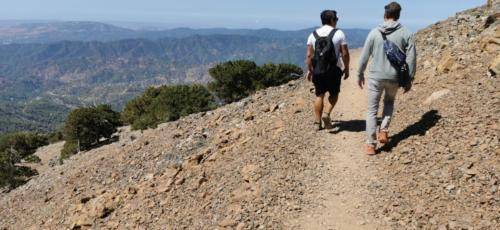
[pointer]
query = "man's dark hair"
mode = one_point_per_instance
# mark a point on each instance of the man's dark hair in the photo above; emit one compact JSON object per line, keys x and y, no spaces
{"x":327,"y":16}
{"x":393,"y":10}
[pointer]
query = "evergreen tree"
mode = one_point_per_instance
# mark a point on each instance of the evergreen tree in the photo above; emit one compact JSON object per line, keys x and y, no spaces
{"x":85,"y":127}
{"x":235,"y":80}
{"x":13,"y":148}
{"x":166,"y":103}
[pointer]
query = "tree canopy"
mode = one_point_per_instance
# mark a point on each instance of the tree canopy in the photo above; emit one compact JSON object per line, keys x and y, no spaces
{"x":166,"y":103}
{"x":85,"y":127}
{"x":234,"y":80}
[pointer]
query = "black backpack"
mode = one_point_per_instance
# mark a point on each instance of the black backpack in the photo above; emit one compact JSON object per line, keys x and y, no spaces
{"x":325,"y":59}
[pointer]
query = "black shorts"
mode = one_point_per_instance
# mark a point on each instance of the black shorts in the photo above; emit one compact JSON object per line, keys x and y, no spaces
{"x":328,"y":83}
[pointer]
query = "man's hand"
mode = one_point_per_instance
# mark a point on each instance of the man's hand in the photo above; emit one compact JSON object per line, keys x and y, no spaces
{"x":361,"y":83}
{"x":309,"y":75}
{"x":346,"y":73}
{"x":346,"y":59}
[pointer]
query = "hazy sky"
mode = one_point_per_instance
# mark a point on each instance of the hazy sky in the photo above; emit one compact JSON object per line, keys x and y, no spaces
{"x":280,"y":14}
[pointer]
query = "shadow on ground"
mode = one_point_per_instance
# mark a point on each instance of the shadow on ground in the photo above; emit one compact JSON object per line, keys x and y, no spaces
{"x":104,"y":142}
{"x":428,"y":120}
{"x":348,"y":126}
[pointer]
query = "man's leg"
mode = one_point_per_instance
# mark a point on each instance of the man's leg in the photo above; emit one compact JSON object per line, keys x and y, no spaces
{"x":332,"y":99}
{"x":374,"y":94}
{"x":318,"y":108}
{"x":333,"y":90}
{"x":327,"y":121}
{"x":391,"y":89}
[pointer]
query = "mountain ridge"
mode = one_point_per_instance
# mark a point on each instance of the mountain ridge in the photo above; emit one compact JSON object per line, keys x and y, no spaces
{"x":49,"y":32}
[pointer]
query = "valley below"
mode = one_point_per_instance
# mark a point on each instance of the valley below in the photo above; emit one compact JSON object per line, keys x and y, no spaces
{"x":40,"y":82}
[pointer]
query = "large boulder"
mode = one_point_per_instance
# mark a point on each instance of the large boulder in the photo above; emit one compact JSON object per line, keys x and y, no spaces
{"x":446,"y":64}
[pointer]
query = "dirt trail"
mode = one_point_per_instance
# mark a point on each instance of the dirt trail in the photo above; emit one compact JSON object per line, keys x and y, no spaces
{"x":343,"y":195}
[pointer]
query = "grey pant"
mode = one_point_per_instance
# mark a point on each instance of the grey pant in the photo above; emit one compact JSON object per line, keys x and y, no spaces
{"x":375,"y":90}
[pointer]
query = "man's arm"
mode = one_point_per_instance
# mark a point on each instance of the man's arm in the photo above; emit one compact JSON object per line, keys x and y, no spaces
{"x":411,"y":57}
{"x":309,"y":56}
{"x":363,"y":59}
{"x":346,"y":58}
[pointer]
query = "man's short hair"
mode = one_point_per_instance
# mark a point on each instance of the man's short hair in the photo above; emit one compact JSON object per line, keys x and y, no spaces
{"x":393,"y":10}
{"x":327,"y":16}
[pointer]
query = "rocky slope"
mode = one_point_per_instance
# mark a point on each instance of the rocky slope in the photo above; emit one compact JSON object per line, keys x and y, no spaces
{"x":240,"y":163}
{"x":259,"y":163}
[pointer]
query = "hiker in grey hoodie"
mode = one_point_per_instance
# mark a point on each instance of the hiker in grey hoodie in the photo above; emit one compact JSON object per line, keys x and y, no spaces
{"x":383,"y":77}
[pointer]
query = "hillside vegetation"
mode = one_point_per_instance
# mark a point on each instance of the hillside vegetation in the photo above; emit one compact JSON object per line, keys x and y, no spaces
{"x":41,"y":82}
{"x":14,"y":148}
{"x":85,"y":128}
{"x":90,"y":127}
{"x":166,"y":103}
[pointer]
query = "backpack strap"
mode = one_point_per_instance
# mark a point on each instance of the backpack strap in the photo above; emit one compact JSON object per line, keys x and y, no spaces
{"x":384,"y":36}
{"x":330,"y":39}
{"x":316,"y":35}
{"x":332,"y":33}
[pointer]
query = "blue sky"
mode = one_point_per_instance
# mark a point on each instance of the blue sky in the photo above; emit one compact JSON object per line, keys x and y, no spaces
{"x":279,"y":14}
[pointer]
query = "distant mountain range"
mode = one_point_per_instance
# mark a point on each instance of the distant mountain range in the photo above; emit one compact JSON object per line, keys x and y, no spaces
{"x":49,"y":32}
{"x":49,"y":68}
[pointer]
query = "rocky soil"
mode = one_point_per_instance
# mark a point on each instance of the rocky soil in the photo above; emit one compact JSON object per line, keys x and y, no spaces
{"x":247,"y":165}
{"x":259,"y":163}
{"x":441,"y":168}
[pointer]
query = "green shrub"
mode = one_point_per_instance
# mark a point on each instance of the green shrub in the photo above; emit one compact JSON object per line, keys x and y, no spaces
{"x":273,"y":75}
{"x":85,"y":127}
{"x":88,"y":125}
{"x":13,"y":148}
{"x":234,"y":80}
{"x":55,"y":136}
{"x":70,"y":148}
{"x":22,"y":143}
{"x":33,"y":159}
{"x":7,"y":169}
{"x":11,"y":174}
{"x":166,"y":103}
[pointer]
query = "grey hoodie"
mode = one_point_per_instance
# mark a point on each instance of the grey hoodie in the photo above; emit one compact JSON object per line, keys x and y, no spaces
{"x":381,"y":68}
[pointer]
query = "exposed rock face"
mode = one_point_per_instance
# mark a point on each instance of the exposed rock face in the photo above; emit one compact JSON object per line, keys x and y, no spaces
{"x":446,"y":64}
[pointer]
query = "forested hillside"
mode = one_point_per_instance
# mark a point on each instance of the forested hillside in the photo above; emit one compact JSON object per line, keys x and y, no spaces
{"x":54,"y":77}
